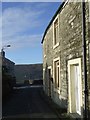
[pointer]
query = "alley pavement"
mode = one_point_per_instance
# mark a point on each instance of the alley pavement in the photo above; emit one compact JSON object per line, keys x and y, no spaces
{"x":27,"y":102}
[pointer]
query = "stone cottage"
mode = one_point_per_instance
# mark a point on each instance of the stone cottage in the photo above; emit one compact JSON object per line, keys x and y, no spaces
{"x":63,"y":57}
{"x":5,"y":62}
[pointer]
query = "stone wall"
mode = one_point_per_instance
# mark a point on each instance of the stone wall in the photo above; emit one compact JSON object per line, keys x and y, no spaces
{"x":70,"y":47}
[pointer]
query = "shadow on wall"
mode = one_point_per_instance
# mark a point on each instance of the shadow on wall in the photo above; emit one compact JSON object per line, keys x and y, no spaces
{"x":48,"y":80}
{"x":8,"y":82}
{"x":49,"y":89}
{"x":45,"y":79}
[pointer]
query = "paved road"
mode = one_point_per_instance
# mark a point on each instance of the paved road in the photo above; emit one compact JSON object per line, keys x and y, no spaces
{"x":27,"y":103}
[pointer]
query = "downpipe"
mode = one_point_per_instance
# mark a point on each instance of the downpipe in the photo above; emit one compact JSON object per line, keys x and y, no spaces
{"x":84,"y":61}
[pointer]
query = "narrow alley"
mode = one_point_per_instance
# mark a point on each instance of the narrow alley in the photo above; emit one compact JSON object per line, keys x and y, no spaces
{"x":45,"y":60}
{"x":27,"y":102}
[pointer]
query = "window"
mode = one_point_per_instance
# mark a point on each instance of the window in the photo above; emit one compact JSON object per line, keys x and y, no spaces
{"x":57,"y":73}
{"x":56,"y":32}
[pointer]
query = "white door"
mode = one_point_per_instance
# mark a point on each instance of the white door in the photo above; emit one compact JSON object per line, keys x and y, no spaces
{"x":77,"y":88}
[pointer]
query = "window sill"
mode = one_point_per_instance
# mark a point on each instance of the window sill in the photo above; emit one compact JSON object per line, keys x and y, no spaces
{"x":55,"y":46}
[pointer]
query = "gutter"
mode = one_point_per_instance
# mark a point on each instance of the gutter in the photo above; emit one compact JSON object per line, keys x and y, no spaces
{"x":84,"y":60}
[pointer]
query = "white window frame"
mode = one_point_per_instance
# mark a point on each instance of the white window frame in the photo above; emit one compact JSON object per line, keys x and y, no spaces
{"x":57,"y":44}
{"x":58,"y":88}
{"x":50,"y":67}
{"x":73,"y":62}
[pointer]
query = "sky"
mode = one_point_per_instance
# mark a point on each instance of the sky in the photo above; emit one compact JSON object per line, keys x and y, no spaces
{"x":23,"y":26}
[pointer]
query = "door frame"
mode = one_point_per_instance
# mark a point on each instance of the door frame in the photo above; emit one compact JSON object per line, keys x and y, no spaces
{"x":71,"y":63}
{"x":49,"y":82}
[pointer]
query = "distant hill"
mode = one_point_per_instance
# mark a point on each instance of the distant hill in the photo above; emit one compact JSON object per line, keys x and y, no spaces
{"x":28,"y":72}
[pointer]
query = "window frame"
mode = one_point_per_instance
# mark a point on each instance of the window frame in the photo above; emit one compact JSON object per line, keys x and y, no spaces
{"x":57,"y":43}
{"x":49,"y":77}
{"x":56,"y":87}
{"x":73,"y":62}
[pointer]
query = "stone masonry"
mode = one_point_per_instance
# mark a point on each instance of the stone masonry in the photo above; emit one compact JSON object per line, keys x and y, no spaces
{"x":70,"y":47}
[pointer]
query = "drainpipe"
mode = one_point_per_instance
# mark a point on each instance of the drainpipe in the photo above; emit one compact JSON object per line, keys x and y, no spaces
{"x":84,"y":60}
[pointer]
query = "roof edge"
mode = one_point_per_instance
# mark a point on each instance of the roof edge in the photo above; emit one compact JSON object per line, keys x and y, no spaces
{"x":28,"y":64}
{"x":58,"y":10}
{"x":9,"y":60}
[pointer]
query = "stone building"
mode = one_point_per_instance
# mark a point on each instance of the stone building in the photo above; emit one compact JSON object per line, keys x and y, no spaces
{"x":7,"y":75}
{"x":5,"y":62}
{"x":63,"y":67}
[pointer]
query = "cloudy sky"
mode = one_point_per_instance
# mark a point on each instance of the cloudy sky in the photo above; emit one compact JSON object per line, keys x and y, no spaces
{"x":23,"y":25}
